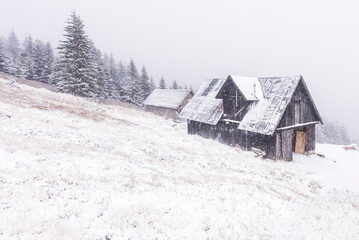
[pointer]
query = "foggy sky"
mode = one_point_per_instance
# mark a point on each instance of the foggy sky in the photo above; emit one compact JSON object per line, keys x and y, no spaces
{"x":190,"y":41}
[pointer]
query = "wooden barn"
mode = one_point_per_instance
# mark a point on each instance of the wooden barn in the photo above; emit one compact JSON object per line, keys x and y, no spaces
{"x":274,"y":114}
{"x":167,"y":102}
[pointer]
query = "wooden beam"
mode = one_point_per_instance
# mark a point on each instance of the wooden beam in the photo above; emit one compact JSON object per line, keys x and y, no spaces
{"x":230,"y":120}
{"x":299,"y":125}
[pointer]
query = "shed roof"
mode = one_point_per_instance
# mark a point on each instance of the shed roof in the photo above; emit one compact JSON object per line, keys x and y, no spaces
{"x":204,"y":107}
{"x":264,"y":116}
{"x":168,"y":98}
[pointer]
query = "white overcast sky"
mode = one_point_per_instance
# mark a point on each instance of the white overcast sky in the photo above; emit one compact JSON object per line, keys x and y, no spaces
{"x":193,"y":40}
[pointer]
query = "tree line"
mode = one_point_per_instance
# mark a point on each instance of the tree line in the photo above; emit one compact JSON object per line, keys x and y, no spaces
{"x":78,"y":67}
{"x":332,"y":132}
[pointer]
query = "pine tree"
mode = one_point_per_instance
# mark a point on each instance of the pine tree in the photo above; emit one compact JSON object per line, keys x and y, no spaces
{"x":112,"y":68}
{"x":13,"y":51}
{"x":48,"y":61}
{"x":162,"y":84}
{"x":74,"y":74}
{"x":131,"y":85}
{"x":122,"y":73}
{"x":174,"y":85}
{"x":152,"y":85}
{"x":38,"y":61}
{"x":27,"y":59}
{"x":98,"y":73}
{"x":345,"y":136}
{"x":112,"y":80}
{"x":134,"y":90}
{"x":332,"y":132}
{"x":144,"y":84}
{"x":4,"y":60}
{"x":56,"y":71}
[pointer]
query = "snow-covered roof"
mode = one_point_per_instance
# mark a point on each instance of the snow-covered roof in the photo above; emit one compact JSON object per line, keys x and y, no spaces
{"x":264,"y":115}
{"x":249,"y":86}
{"x":269,"y":97}
{"x":204,"y":107}
{"x":167,"y":98}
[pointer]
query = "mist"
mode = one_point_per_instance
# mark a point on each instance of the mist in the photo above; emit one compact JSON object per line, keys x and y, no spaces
{"x":191,"y":41}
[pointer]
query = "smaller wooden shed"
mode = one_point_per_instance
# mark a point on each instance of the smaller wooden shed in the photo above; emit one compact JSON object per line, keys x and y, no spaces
{"x":167,"y":102}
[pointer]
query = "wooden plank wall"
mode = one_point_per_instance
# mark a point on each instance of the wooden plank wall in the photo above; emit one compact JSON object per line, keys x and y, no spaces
{"x":230,"y":97}
{"x":299,"y":110}
{"x":228,"y":133}
{"x":287,"y":145}
{"x":310,"y":138}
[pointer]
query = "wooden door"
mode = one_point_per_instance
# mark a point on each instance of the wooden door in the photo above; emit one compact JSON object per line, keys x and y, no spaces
{"x":300,"y":142}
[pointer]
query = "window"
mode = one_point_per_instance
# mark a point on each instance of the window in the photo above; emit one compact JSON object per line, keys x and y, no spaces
{"x":210,"y":86}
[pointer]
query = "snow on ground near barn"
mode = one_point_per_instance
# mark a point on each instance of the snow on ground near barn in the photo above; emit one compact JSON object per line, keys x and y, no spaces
{"x":339,"y":168}
{"x":74,"y":169}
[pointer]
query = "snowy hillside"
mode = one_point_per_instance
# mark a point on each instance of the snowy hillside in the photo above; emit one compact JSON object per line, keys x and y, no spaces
{"x":74,"y":169}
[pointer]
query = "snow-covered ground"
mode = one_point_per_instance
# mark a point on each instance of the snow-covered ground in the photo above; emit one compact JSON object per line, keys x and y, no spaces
{"x":74,"y":169}
{"x":339,"y":168}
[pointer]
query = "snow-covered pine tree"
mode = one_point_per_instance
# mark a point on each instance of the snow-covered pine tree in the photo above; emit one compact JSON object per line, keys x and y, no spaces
{"x":131,"y":84}
{"x":174,"y":85}
{"x":345,"y":135}
{"x":27,"y":59}
{"x":144,"y":85}
{"x":113,"y":79}
{"x":75,"y":75}
{"x":332,"y":132}
{"x":122,"y":73}
{"x":134,"y":90}
{"x":120,"y":76}
{"x":56,"y":71}
{"x":38,"y":60}
{"x":4,"y":60}
{"x":48,"y":62}
{"x":13,"y":51}
{"x":112,"y":68}
{"x":106,"y":84}
{"x":162,"y":84}
{"x":152,"y":85}
{"x":97,"y":72}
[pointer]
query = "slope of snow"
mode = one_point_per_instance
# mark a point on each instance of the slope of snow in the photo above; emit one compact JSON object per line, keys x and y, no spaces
{"x":74,"y":169}
{"x":339,"y":168}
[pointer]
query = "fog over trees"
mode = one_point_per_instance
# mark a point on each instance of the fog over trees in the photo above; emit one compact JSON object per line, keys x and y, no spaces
{"x":78,"y":67}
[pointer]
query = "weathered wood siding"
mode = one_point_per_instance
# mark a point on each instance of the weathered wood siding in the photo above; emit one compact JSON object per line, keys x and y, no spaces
{"x":228,"y":133}
{"x":310,"y":138}
{"x":299,"y":110}
{"x":233,"y":101}
{"x":161,"y":111}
